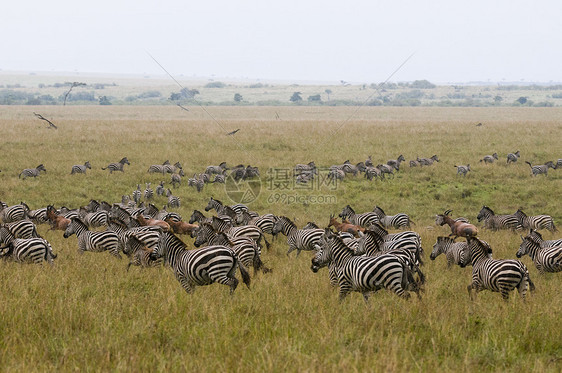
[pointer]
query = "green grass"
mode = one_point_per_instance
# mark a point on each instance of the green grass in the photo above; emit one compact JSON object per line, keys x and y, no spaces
{"x":88,"y":313}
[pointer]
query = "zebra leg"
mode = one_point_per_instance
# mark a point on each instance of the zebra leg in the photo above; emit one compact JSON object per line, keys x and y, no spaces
{"x":291,"y":248}
{"x":115,"y":252}
{"x":366,"y":295}
{"x":185,"y":283}
{"x":469,"y":288}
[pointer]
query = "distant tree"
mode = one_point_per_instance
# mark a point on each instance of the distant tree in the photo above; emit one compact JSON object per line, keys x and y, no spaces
{"x":314,"y":98}
{"x":296,"y":97}
{"x":189,"y":93}
{"x":498,"y":99}
{"x":522,"y":100}
{"x":72,"y":85}
{"x":422,"y":84}
{"x":104,"y":100}
{"x":175,"y":96}
{"x":215,"y":85}
{"x":328,"y":92}
{"x":238,"y":97}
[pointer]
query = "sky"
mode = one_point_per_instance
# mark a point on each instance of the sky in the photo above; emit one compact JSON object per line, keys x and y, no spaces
{"x":324,"y":41}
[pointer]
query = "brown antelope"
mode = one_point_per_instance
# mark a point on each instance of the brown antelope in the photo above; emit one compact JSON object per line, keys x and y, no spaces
{"x":181,"y":227}
{"x":160,"y":223}
{"x":458,"y":228}
{"x":345,"y":226}
{"x":56,"y":222}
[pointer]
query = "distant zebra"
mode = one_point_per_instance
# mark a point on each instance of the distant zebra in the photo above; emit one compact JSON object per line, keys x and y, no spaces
{"x":513,"y":157}
{"x":373,"y":172}
{"x":547,"y":259}
{"x":453,"y":250}
{"x":158,"y":168}
{"x":32,"y":172}
{"x":92,"y":241}
{"x":363,"y":220}
{"x":541,"y":169}
{"x":148,"y":192}
{"x":173,"y":201}
{"x":160,"y":189}
{"x":80,"y":169}
{"x":137,"y":194}
{"x":25,"y":250}
{"x":13,"y":213}
{"x":463,"y":170}
{"x":397,"y":221}
{"x":535,"y":222}
{"x":558,"y":164}
{"x":336,"y":174}
{"x":176,"y":178}
{"x":219,"y":179}
{"x":386,"y":169}
{"x":490,"y":158}
{"x":201,"y":266}
{"x":22,"y":229}
{"x":496,"y":275}
{"x":428,"y":161}
{"x":171,"y":169}
{"x":415,"y":163}
{"x":218,"y":205}
{"x":495,"y":222}
{"x":396,"y":162}
{"x":361,"y":273}
{"x":117,"y":166}
{"x":298,"y":239}
{"x":220,"y":169}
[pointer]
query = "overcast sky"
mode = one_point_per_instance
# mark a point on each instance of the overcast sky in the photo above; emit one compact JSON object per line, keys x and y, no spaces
{"x":317,"y":40}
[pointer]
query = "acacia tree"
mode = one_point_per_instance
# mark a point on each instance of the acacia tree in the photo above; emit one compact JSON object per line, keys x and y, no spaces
{"x":328,"y":92}
{"x":238,"y":97}
{"x":296,"y":97}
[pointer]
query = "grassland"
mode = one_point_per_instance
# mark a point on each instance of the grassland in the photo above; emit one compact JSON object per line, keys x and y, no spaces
{"x":88,"y":313}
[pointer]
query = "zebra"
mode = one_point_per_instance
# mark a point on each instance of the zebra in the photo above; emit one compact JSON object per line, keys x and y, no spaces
{"x":415,"y":163}
{"x":298,"y":239}
{"x":396,"y":162}
{"x":496,"y":275}
{"x":219,"y":170}
{"x":373,"y":172}
{"x":363,"y":220}
{"x":38,"y":216}
{"x":117,"y":166}
{"x":495,"y":222}
{"x":348,"y":168}
{"x":148,"y":192}
{"x":410,"y":235}
{"x":32,"y":172}
{"x":311,"y":225}
{"x":362,"y":273}
{"x":453,"y":251}
{"x":535,"y":222}
{"x":171,"y":169}
{"x":25,"y":250}
{"x":386,"y":169}
{"x":176,"y":178}
{"x":92,"y":241}
{"x":264,"y":222}
{"x":558,"y":164}
{"x":310,"y":167}
{"x":541,"y":169}
{"x":80,"y":169}
{"x":148,"y":235}
{"x":373,"y":244}
{"x":219,"y":178}
{"x":536,"y":237}
{"x":203,"y":266}
{"x":173,"y":201}
{"x":547,"y":259}
{"x":137,"y":194}
{"x":513,"y":157}
{"x":246,"y":249}
{"x":94,"y":219}
{"x":158,"y":168}
{"x":22,"y":229}
{"x":490,"y":158}
{"x":198,"y":217}
{"x":218,"y":205}
{"x":427,"y":161}
{"x":160,"y":189}
{"x":138,"y":255}
{"x":397,"y":221}
{"x":463,"y":170}
{"x":336,"y":174}
{"x":13,"y":213}
{"x":206,"y":231}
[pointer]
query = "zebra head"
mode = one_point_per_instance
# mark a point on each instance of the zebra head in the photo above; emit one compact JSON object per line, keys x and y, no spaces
{"x":203,"y":234}
{"x":484,"y":213}
{"x":439,"y":246}
{"x":124,"y":160}
{"x":71,"y":229}
{"x":347,"y":211}
{"x":211,"y":204}
{"x":525,"y":247}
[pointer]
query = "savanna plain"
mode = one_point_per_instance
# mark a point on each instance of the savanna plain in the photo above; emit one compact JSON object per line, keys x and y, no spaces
{"x":88,"y":313}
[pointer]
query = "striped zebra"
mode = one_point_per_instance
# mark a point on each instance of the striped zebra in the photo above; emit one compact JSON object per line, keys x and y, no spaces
{"x":373,"y":244}
{"x":463,"y":170}
{"x":453,"y":251}
{"x":221,"y":179}
{"x":541,"y":169}
{"x":558,"y":164}
{"x":158,"y":168}
{"x":80,"y":169}
{"x":32,"y":172}
{"x":536,"y":237}
{"x":362,"y":273}
{"x":92,"y":241}
{"x":427,"y":161}
{"x":118,"y":166}
{"x":264,"y":222}
{"x":373,"y":172}
{"x":218,"y":206}
{"x":25,"y":250}
{"x":501,"y":276}
{"x":298,"y":239}
{"x":137,"y":194}
{"x":206,"y":232}
{"x":513,"y":157}
{"x":176,"y":178}
{"x":397,"y":221}
{"x":386,"y":169}
{"x":160,"y":189}
{"x":173,"y":201}
{"x":172,"y":169}
{"x":203,"y":266}
{"x":246,"y":249}
{"x":415,"y":163}
{"x":547,"y":259}
{"x":218,"y":170}
{"x":395,"y":163}
{"x":148,"y":192}
{"x":38,"y":216}
{"x":490,"y":158}
{"x":94,"y":219}
{"x":199,"y":217}
{"x":22,"y":229}
{"x":140,"y":254}
{"x":149,"y":235}
{"x":495,"y":222}
{"x":336,"y":174}
{"x":535,"y":222}
{"x":13,"y":213}
{"x":362,"y":220}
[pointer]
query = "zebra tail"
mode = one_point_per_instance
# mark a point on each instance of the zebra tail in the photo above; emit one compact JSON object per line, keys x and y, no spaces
{"x":529,"y":163}
{"x":531,"y":284}
{"x":244,"y":272}
{"x":267,"y":244}
{"x":104,"y":168}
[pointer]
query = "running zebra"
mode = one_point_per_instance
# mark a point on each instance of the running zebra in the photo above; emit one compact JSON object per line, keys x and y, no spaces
{"x":203,"y":266}
{"x":32,"y":172}
{"x":490,"y":158}
{"x":427,"y":161}
{"x":218,"y":206}
{"x":513,"y":157}
{"x":92,"y":241}
{"x":496,"y":275}
{"x":246,"y":250}
{"x":536,"y":237}
{"x":547,"y":259}
{"x":397,"y":221}
{"x":140,"y":254}
{"x":176,"y":178}
{"x":38,"y":216}
{"x":463,"y":170}
{"x":373,"y":244}
{"x":218,"y":170}
{"x":495,"y":222}
{"x":13,"y":213}
{"x":26,"y":250}
{"x":264,"y":222}
{"x":411,"y":235}
{"x":199,"y":217}
{"x":117,"y":166}
{"x":158,"y":168}
{"x":362,"y":220}
{"x":298,"y":239}
{"x":336,"y":174}
{"x":94,"y":219}
{"x":535,"y":222}
{"x":362,"y":273}
{"x":137,"y":194}
{"x":173,"y":201}
{"x":386,"y":169}
{"x":148,"y":192}
{"x":172,"y":169}
{"x":396,"y":162}
{"x":148,"y":235}
{"x":541,"y":169}
{"x":558,"y":164}
{"x":160,"y":189}
{"x":22,"y":229}
{"x":80,"y":169}
{"x":453,"y":251}
{"x":373,"y":172}
{"x":219,"y":179}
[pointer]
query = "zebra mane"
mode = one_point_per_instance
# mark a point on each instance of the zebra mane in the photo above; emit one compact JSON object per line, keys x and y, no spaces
{"x":379,"y":209}
{"x":489,"y":209}
{"x":374,"y":235}
{"x":216,"y":200}
{"x":175,"y":239}
{"x":482,"y":245}
{"x":79,"y":221}
{"x":445,"y":239}
{"x":284,"y":218}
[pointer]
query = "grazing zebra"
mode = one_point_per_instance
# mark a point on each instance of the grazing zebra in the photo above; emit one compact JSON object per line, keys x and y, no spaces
{"x":397,"y":221}
{"x":201,"y":266}
{"x":513,"y":157}
{"x":137,"y":194}
{"x":80,"y":169}
{"x":396,"y":162}
{"x":171,"y":169}
{"x":117,"y":166}
{"x":362,"y":273}
{"x":140,"y":254}
{"x":92,"y":241}
{"x":218,"y":206}
{"x":25,"y":250}
{"x":490,"y":158}
{"x":363,"y":220}
{"x":160,"y":189}
{"x":298,"y":239}
{"x":220,"y":169}
{"x":536,"y":237}
{"x":541,"y":169}
{"x":13,"y":213}
{"x":496,"y":275}
{"x":246,"y":249}
{"x":495,"y":222}
{"x":546,"y":259}
{"x":535,"y":222}
{"x":453,"y":251}
{"x":173,"y":201}
{"x":32,"y":172}
{"x":148,"y":192}
{"x":176,"y":178}
{"x":463,"y":170}
{"x":427,"y":161}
